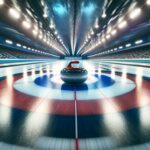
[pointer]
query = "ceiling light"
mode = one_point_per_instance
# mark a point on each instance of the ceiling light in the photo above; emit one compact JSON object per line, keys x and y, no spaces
{"x":114,"y":32}
{"x":89,"y":37}
{"x":44,"y":39}
{"x":18,"y":45}
{"x":96,"y":24}
{"x":14,"y":13}
{"x":45,"y":15}
{"x":148,"y":2}
{"x":92,"y":32}
{"x":108,"y":36}
{"x":120,"y":47}
{"x":36,"y":27}
{"x":135,"y":13}
{"x":139,"y":42}
{"x":55,"y":33}
{"x":35,"y":32}
{"x":122,"y":24}
{"x":26,"y":24}
{"x":51,"y":26}
{"x":103,"y":39}
{"x":40,"y":36}
{"x":1,"y":2}
{"x":109,"y":30}
{"x":120,"y":19}
{"x":104,"y":15}
{"x":24,"y":47}
{"x":128,"y":45}
{"x":9,"y":41}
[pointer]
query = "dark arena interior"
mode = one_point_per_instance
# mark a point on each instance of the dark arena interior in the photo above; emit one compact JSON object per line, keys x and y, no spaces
{"x":74,"y":74}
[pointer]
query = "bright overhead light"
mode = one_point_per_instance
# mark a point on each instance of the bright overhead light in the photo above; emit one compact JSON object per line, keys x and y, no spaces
{"x":40,"y":35}
{"x":45,"y":15}
{"x":36,"y":27}
{"x":9,"y":41}
{"x":44,"y":39}
{"x":89,"y":37}
{"x":1,"y":2}
{"x":122,"y":24}
{"x":148,"y":2}
{"x":35,"y":32}
{"x":104,"y":15}
{"x":96,"y":24}
{"x":18,"y":45}
{"x":103,"y":39}
{"x":139,"y":42}
{"x":109,"y":30}
{"x":51,"y":26}
{"x":92,"y":32}
{"x":128,"y":45}
{"x":120,"y":47}
{"x":108,"y":36}
{"x":24,"y":47}
{"x":120,"y":19}
{"x":114,"y":32}
{"x":14,"y":13}
{"x":55,"y":33}
{"x":135,"y":13}
{"x":26,"y":24}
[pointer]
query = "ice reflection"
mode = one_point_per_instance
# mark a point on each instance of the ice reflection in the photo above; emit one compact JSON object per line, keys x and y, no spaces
{"x":25,"y":75}
{"x":47,"y":70}
{"x":35,"y":124}
{"x":115,"y":124}
{"x":109,"y":106}
{"x":144,"y":117}
{"x":112,"y":72}
{"x":99,"y":72}
{"x":41,"y":71}
{"x":124,"y":75}
{"x":5,"y":116}
{"x":33,"y":73}
{"x":9,"y":77}
{"x":139,"y":75}
{"x":6,"y":93}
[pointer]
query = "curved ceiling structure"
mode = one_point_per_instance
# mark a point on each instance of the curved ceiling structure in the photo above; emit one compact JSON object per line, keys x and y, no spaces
{"x":87,"y":28}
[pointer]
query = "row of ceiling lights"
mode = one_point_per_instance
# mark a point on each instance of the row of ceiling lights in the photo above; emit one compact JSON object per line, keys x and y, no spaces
{"x":10,"y":42}
{"x":117,"y":48}
{"x":111,"y":31}
{"x":26,"y":24}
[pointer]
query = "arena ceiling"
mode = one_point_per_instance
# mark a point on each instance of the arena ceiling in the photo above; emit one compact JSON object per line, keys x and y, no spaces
{"x":75,"y":27}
